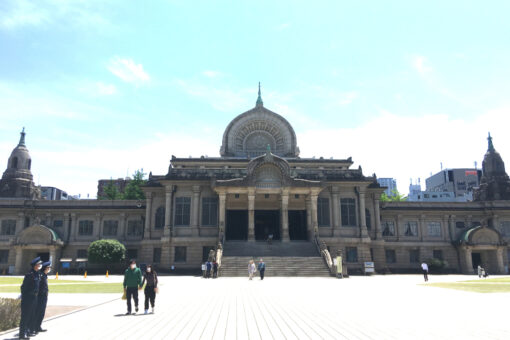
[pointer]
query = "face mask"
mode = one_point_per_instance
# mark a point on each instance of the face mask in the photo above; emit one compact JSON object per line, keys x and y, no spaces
{"x":133,"y":266}
{"x":148,"y":270}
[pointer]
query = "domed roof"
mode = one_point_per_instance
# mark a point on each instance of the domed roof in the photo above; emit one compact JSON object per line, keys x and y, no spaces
{"x":249,"y":134}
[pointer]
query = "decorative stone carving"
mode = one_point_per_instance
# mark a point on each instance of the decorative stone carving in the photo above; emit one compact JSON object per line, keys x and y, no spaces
{"x":38,"y":234}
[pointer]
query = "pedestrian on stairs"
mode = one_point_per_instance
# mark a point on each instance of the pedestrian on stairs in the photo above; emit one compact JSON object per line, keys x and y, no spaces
{"x":251,"y":269}
{"x":262,"y":268}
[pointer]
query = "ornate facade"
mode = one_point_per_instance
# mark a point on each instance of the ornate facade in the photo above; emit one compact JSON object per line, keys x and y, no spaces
{"x":259,"y":186}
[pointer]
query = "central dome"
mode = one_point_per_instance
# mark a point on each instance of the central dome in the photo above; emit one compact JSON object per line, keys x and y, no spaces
{"x":249,"y":134}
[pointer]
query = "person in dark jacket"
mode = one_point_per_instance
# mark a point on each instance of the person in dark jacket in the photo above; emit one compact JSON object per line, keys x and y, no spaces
{"x":151,"y":277}
{"x":42,"y":298}
{"x":29,"y":291}
{"x":132,"y":283}
{"x":215,"y":269}
{"x":208,"y":266}
{"x":261,"y":268}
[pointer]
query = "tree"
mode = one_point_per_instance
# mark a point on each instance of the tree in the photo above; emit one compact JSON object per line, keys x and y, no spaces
{"x":396,"y":197}
{"x":133,"y":190}
{"x":106,"y":252}
{"x":111,"y":192}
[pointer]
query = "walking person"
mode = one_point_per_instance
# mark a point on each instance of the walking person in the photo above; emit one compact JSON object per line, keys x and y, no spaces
{"x":479,"y":270}
{"x":151,"y":277}
{"x":425,"y":269}
{"x":203,"y":270}
{"x":251,"y":269}
{"x":42,"y":298}
{"x":261,"y":268}
{"x":208,"y":268}
{"x":29,"y":291}
{"x":215,"y":269}
{"x":132,"y":283}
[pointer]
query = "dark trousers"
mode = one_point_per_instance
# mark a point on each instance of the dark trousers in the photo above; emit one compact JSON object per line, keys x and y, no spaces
{"x":426,"y":275}
{"x":150,"y":295}
{"x":42,"y":301}
{"x":131,"y":292}
{"x":262,"y":273}
{"x":28,"y":307}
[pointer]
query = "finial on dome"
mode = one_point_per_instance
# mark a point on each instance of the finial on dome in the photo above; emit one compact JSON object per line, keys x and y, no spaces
{"x":491,"y":146}
{"x":22,"y":138}
{"x":259,"y":99}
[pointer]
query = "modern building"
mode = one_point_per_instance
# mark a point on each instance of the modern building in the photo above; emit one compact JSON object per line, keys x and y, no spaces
{"x":459,"y":181}
{"x":260,"y":186}
{"x":54,"y":194}
{"x":390,"y":184}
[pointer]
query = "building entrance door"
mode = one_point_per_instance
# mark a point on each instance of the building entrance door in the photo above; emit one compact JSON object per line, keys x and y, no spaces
{"x":45,"y":257}
{"x":476,"y":258}
{"x":297,"y":225}
{"x":267,"y":222}
{"x":237,"y":225}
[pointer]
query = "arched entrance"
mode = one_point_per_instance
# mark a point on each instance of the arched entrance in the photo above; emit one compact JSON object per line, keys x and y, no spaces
{"x":482,"y":246}
{"x":37,"y":240}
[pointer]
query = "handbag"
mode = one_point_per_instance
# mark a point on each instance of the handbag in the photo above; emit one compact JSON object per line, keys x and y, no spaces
{"x":124,"y":295}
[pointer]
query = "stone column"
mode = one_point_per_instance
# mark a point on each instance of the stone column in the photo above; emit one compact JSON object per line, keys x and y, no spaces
{"x":222,"y":206}
{"x":122,"y":226}
{"x":148,"y":215}
{"x":308,"y":202}
{"x":98,"y":230}
{"x":285,"y":216}
{"x":315,"y":225}
{"x":53,"y":256}
{"x":421,"y":226}
{"x":195,"y":210}
{"x":362,"y":214}
{"x":66,"y":225}
{"x":495,"y":222}
{"x":398,"y":219}
{"x":377,"y":219}
{"x":18,"y":265}
{"x":168,"y":210}
{"x":499,"y":260}
{"x":469,"y":262}
{"x":251,"y":215}
{"x":451,"y":228}
{"x":20,"y":224}
{"x":74,"y":226}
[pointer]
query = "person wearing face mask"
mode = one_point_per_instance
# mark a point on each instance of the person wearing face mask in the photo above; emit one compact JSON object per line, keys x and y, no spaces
{"x":42,"y":298}
{"x":29,"y":291}
{"x":150,"y":289}
{"x":132,"y":283}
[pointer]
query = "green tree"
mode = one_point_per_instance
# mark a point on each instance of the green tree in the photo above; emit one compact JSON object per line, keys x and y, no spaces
{"x":106,"y":252}
{"x":396,"y":197}
{"x":133,"y":190}
{"x":111,"y":192}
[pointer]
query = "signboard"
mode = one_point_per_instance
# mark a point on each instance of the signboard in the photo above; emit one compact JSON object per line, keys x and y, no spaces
{"x":369,"y":267}
{"x":65,"y":265}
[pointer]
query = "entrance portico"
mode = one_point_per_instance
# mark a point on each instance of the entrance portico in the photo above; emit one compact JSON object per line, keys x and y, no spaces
{"x":481,"y":246}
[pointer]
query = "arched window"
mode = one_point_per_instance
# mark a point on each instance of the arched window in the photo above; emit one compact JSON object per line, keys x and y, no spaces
{"x":159,"y":221}
{"x":29,"y":164}
{"x":368,"y":219}
{"x":14,"y":163}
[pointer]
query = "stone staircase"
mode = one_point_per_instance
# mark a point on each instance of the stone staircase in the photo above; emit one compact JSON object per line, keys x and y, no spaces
{"x":296,"y":258}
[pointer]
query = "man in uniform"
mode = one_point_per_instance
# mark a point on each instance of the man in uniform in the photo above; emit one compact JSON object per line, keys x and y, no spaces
{"x":42,"y":298}
{"x":29,"y":291}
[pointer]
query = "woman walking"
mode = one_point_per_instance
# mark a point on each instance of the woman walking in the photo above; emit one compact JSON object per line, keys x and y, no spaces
{"x":251,"y":269}
{"x":150,"y":289}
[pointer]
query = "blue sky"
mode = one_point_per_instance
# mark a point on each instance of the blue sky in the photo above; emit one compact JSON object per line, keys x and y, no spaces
{"x":106,"y":87}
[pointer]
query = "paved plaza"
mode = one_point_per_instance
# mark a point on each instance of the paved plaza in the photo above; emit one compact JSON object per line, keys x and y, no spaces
{"x":377,"y":307}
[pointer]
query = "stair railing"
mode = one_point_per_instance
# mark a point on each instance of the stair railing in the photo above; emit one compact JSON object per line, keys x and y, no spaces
{"x":322,"y":248}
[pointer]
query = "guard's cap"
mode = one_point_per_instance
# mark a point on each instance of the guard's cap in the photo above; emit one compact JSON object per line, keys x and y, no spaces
{"x":35,"y":261}
{"x":46,"y":265}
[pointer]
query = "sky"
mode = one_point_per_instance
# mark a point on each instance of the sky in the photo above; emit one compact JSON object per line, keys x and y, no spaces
{"x":104,"y":88}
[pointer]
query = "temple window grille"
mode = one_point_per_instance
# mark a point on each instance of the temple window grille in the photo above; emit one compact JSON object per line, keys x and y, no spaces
{"x":210,"y":211}
{"x":159,"y":221}
{"x":182,"y":211}
{"x":348,"y":210}
{"x":323,"y":212}
{"x":85,"y":227}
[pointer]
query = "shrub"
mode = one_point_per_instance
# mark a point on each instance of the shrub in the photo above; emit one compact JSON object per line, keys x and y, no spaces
{"x":10,"y":313}
{"x":106,"y":252}
{"x":437,"y":264}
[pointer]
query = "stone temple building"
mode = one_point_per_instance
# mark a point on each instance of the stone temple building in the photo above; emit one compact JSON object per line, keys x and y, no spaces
{"x":259,"y":188}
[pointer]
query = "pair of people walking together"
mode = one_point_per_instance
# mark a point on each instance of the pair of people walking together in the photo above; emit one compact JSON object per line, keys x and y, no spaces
{"x":252,"y":269}
{"x":134,"y":281}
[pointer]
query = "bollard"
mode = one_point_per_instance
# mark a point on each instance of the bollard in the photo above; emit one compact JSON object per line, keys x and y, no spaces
{"x":106,"y":274}
{"x":56,"y":276}
{"x":85,"y":276}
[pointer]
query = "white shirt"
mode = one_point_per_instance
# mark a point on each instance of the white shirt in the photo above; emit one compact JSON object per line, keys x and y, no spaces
{"x":203,"y":266}
{"x":425,"y":266}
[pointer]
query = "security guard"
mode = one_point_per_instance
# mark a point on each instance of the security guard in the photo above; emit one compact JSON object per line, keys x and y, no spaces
{"x":29,"y":291}
{"x":42,"y":298}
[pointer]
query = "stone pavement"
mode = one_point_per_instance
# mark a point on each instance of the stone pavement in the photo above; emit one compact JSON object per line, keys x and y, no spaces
{"x":377,"y":307}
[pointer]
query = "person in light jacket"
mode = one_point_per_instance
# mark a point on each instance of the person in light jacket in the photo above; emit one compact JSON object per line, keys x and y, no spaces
{"x":251,"y":269}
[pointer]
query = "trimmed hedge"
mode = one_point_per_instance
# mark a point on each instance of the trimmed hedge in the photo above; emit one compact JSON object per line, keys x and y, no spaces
{"x":10,"y":313}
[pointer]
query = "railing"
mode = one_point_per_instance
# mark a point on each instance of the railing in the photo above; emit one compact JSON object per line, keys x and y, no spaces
{"x":322,"y":248}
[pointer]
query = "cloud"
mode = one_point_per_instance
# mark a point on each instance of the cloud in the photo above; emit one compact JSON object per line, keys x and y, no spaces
{"x":106,"y":89}
{"x":127,"y":70}
{"x":22,"y":13}
{"x":212,"y":74}
{"x":421,"y":64}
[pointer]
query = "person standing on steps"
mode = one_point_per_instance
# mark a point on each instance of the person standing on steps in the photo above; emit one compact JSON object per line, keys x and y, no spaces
{"x":132,"y":283}
{"x":251,"y":269}
{"x":215,"y":269}
{"x":29,"y":291}
{"x":151,"y":277}
{"x":208,"y":267}
{"x":425,"y":269}
{"x":42,"y":298}
{"x":261,"y":268}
